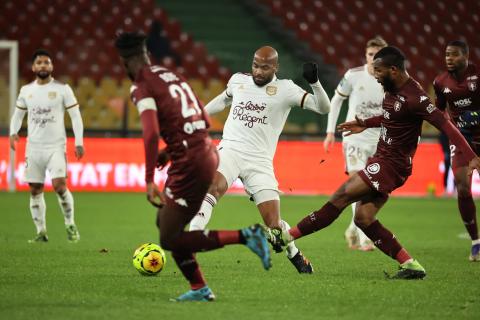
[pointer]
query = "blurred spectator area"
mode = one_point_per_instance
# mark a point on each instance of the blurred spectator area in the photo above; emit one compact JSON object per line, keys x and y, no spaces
{"x":80,"y":37}
{"x":339,"y":30}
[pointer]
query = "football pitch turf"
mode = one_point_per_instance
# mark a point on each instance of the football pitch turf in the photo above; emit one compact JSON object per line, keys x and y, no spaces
{"x":95,"y":279}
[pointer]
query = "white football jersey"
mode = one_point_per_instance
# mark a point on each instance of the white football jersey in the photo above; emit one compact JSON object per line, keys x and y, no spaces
{"x":365,"y":96}
{"x":258,"y":114}
{"x":46,"y":105}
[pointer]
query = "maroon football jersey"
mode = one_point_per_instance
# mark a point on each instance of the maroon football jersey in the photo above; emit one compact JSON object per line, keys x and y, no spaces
{"x":460,"y":94}
{"x":401,"y":124}
{"x":181,"y":118}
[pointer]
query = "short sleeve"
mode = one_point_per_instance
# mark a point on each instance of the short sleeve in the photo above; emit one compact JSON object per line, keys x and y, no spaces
{"x":21,"y":104}
{"x":69,"y":99}
{"x":296,"y":96}
{"x":235,"y":80}
{"x":440,"y":100}
{"x":344,"y":88}
{"x":139,"y":91}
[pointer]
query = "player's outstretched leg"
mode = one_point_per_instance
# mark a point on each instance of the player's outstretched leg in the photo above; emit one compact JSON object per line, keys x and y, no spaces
{"x":296,"y":257}
{"x":256,"y":240}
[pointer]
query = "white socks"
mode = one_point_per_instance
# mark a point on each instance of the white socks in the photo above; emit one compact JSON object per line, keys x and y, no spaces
{"x":292,"y":250}
{"x":201,"y":219}
{"x":38,"y":209}
{"x":66,"y":205}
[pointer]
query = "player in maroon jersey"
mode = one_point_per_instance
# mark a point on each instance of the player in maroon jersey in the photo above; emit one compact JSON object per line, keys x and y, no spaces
{"x":458,"y":89}
{"x":168,"y":108}
{"x":405,"y":106}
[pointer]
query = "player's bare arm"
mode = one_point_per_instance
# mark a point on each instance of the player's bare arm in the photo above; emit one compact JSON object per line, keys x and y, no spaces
{"x":352,"y":127}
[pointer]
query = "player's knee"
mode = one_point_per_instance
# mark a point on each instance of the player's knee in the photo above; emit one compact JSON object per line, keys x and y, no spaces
{"x":216,"y":191}
{"x":363,"y":220}
{"x":36,"y":188}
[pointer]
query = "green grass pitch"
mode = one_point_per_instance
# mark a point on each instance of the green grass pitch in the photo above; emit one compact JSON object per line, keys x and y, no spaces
{"x":59,"y":280}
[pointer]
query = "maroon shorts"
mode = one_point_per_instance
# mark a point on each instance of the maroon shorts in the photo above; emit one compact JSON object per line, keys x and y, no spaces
{"x":189,"y":179}
{"x":458,"y":157}
{"x":382,"y":175}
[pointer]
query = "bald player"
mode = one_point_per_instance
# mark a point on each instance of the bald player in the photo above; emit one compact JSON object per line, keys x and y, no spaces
{"x":260,"y":103}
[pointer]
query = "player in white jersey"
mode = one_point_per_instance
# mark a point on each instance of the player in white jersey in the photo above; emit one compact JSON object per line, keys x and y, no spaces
{"x":260,"y":104}
{"x":365,"y":97}
{"x":45,"y":100}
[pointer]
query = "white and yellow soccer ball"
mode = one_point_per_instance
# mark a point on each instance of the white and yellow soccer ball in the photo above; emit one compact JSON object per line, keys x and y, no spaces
{"x":149,"y":259}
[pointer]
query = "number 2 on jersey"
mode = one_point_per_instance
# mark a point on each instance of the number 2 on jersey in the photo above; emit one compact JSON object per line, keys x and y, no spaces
{"x":187,"y":99}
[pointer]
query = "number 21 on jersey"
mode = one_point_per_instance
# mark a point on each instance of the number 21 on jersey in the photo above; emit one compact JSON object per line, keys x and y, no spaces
{"x":188,"y":101}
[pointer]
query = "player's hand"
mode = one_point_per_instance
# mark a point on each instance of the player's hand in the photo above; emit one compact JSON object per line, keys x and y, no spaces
{"x":329,"y":141}
{"x":79,"y":152}
{"x":352,"y":127}
{"x":153,"y":194}
{"x":310,"y":72}
{"x":13,"y":138}
{"x":162,"y":159}
{"x":473,"y":165}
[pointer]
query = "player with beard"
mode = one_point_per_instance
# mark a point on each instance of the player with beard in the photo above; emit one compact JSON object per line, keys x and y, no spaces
{"x":458,"y":89}
{"x":405,"y":107}
{"x":169,"y":108}
{"x":45,"y":100}
{"x":260,"y":104}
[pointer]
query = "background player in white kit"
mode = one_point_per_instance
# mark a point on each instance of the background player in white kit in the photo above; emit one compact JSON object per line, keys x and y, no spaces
{"x":45,"y":100}
{"x":260,"y":104}
{"x":365,"y":97}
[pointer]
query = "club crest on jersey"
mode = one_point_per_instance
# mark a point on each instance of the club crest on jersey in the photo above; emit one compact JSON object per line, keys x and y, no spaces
{"x":472,"y":85}
{"x":397,"y":106}
{"x":271,"y":90}
{"x":52,"y":95}
{"x":373,"y":168}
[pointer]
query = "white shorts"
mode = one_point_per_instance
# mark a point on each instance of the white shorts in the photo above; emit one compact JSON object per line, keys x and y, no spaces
{"x":38,"y":161}
{"x":256,"y":174}
{"x":357,"y":154}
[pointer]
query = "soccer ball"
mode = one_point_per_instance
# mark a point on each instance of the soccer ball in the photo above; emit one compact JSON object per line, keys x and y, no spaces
{"x":149,"y":259}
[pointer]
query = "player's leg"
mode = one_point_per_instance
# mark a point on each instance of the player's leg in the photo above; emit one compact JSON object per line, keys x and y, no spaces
{"x":216,"y":190}
{"x":365,"y":218}
{"x":268,"y":204}
{"x":228,"y":170}
{"x":353,"y":190}
{"x":467,"y":209}
{"x":57,"y":166}
{"x":172,"y":221}
{"x":38,"y":210}
{"x":35,"y":166}
{"x":356,"y":156}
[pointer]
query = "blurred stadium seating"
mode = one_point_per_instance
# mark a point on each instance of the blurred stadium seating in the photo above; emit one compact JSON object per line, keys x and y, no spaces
{"x":80,"y":37}
{"x":338,"y":30}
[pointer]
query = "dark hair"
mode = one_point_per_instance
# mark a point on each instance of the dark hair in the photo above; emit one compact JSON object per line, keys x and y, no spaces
{"x":459,"y":43}
{"x":392,"y":57}
{"x":40,"y":52}
{"x":130,"y":44}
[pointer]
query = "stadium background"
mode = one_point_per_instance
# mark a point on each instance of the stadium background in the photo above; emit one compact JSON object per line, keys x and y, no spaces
{"x":207,"y":41}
